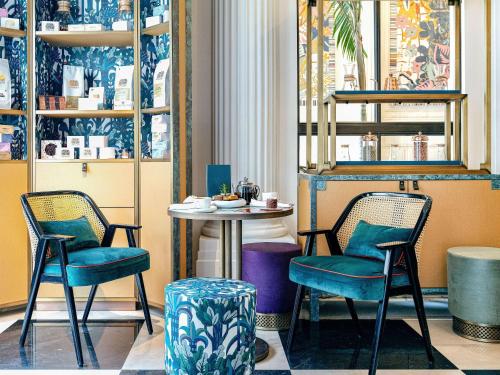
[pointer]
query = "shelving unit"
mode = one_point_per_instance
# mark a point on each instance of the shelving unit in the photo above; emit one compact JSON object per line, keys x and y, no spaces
{"x":12,"y":112}
{"x":87,"y":38}
{"x":70,"y":113}
{"x":156,"y":111}
{"x":12,"y":33}
{"x":157,"y":30}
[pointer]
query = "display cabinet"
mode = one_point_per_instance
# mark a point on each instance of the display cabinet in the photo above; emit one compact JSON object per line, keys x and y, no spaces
{"x":147,"y":162}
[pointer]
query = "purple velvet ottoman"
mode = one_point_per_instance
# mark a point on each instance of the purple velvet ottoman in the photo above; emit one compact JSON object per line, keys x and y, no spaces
{"x":265,"y":265}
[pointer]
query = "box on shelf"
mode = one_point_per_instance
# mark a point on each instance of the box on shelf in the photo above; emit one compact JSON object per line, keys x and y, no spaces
{"x":5,"y":85}
{"x":73,"y":85}
{"x":159,"y":150}
{"x":6,"y":138}
{"x":98,"y":141}
{"x":66,"y":153}
{"x":4,"y":12}
{"x":51,"y":102}
{"x":4,"y":146}
{"x":88,"y":153}
{"x":5,"y":156}
{"x":125,"y":25}
{"x":121,"y":105}
{"x":94,"y":27}
{"x":107,"y":153}
{"x":49,"y":148}
{"x":10,"y":23}
{"x":159,"y":123}
{"x":97,"y":93}
{"x":153,"y":21}
{"x":88,"y":104}
{"x":161,"y":84}
{"x":50,"y":26}
{"x":76,"y":27}
{"x":73,"y":141}
{"x":124,"y":87}
{"x":6,"y":129}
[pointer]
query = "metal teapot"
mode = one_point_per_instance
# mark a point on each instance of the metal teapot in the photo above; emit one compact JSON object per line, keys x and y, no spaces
{"x":247,"y":190}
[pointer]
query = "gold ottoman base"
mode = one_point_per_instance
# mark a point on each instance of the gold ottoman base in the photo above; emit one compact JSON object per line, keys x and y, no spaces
{"x":273,"y":322}
{"x":476,"y":331}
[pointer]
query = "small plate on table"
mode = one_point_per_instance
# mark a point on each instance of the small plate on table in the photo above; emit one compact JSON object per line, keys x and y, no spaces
{"x":230,"y":204}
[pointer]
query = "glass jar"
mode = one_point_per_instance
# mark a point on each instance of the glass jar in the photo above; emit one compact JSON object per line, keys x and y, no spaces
{"x":441,"y":151}
{"x":345,"y":155}
{"x":125,"y":10}
{"x":63,"y":14}
{"x":420,"y":147}
{"x":369,"y":143}
{"x":397,"y":152}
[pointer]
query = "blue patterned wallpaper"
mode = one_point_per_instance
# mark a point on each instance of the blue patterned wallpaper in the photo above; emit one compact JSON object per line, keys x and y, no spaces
{"x":153,"y":49}
{"x":15,"y":50}
{"x":100,"y":65}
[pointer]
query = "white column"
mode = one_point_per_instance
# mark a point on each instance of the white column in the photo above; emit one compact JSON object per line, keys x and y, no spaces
{"x":255,"y":108}
{"x":495,"y":87}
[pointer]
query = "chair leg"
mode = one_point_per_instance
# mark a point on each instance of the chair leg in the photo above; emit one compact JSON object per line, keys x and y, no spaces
{"x":422,"y":320}
{"x":299,"y":297}
{"x":144,"y":301}
{"x":88,"y":306}
{"x":354,"y":315}
{"x":70,"y":302}
{"x":379,"y":330}
{"x":35,"y":285}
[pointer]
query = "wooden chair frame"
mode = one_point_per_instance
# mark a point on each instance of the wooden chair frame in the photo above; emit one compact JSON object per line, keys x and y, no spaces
{"x":391,"y":248}
{"x":59,"y":242}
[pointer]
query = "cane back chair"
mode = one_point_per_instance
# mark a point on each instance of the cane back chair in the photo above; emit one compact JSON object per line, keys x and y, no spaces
{"x":361,"y":278}
{"x":52,"y":262}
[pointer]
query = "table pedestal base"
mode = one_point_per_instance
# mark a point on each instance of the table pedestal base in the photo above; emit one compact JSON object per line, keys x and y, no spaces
{"x":261,"y":350}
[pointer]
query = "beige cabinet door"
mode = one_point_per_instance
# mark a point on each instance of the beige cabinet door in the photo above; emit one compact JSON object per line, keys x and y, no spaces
{"x":156,"y":227}
{"x":108,"y":184}
{"x":463,"y":213}
{"x":13,"y":234}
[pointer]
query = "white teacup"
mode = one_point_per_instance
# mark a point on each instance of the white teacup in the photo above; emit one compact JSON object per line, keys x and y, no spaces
{"x":269,"y":195}
{"x":203,"y":202}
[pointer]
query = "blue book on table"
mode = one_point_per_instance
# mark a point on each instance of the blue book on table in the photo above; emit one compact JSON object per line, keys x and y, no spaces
{"x":218,"y":175}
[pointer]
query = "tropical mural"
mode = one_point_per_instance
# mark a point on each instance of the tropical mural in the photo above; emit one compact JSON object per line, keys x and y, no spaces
{"x":15,"y":50}
{"x":420,"y":44}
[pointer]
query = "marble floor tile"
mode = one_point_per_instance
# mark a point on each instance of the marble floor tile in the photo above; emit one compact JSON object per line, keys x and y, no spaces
{"x":333,"y":344}
{"x":49,"y":345}
{"x":441,"y":332}
{"x":482,"y":372}
{"x":276,"y":360}
{"x":60,"y":372}
{"x":148,"y":351}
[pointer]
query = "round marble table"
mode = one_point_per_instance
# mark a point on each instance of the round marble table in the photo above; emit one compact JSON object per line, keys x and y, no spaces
{"x":226,"y":217}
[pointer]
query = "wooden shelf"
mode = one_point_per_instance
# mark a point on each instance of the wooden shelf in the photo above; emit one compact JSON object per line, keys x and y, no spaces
{"x":12,"y":33}
{"x":160,"y":29}
{"x":88,"y":38}
{"x":11,"y":112}
{"x":84,"y":160}
{"x":146,"y":160}
{"x":13,"y":161}
{"x":68,"y":113}
{"x":156,"y":111}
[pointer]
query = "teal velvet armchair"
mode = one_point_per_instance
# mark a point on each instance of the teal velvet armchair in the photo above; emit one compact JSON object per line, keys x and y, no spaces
{"x":71,"y":245}
{"x":374,"y":249}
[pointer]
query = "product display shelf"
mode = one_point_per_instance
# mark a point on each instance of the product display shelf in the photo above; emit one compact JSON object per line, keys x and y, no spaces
{"x":157,"y":30}
{"x":84,"y":160}
{"x":12,"y":112}
{"x":87,"y":38}
{"x":156,"y":111}
{"x":12,"y":33}
{"x":67,"y":113}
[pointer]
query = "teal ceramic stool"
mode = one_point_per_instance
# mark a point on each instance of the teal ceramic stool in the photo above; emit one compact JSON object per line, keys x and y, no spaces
{"x":210,"y":327}
{"x":474,"y":292}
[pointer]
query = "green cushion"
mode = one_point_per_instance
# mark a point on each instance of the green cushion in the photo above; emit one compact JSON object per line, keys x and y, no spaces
{"x":99,"y":265}
{"x":80,"y":228}
{"x":356,"y":278}
{"x":366,"y":236}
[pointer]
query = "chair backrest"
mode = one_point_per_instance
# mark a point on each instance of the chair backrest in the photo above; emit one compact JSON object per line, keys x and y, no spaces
{"x":391,"y":209}
{"x":58,"y":206}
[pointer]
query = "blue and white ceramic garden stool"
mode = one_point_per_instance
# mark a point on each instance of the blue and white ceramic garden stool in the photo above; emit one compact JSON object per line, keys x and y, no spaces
{"x":210,"y":327}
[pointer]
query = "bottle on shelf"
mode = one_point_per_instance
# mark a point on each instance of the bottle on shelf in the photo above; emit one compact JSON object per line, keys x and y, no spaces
{"x":125,"y":18}
{"x":369,"y":146}
{"x":345,"y":155}
{"x":63,"y":14}
{"x":420,"y":143}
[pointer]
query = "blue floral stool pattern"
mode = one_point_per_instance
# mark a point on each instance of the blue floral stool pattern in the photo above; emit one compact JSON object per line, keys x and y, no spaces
{"x":210,"y":327}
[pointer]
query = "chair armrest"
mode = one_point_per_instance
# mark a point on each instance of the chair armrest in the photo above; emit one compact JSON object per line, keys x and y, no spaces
{"x":57,"y":237}
{"x":125,"y":226}
{"x":313,"y":232}
{"x":392,"y":245}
